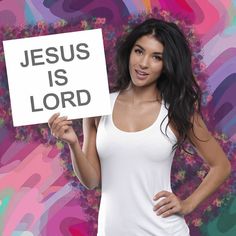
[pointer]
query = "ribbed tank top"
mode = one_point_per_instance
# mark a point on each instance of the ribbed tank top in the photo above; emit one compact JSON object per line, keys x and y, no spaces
{"x":134,"y":167}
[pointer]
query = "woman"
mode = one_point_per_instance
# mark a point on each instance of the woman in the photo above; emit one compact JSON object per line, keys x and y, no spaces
{"x":155,"y":108}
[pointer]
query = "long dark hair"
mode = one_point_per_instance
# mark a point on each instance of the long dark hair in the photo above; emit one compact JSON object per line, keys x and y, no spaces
{"x":177,"y":85}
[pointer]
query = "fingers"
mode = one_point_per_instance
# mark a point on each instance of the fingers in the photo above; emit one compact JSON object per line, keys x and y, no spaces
{"x":162,"y":194}
{"x":52,"y":119}
{"x":64,"y":128}
{"x":58,"y":122}
{"x":59,"y":125}
{"x":168,"y":212}
{"x":169,"y":205}
{"x":162,"y":203}
{"x":168,"y":209}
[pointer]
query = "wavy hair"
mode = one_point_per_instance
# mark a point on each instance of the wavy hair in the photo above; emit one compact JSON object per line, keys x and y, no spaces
{"x":177,"y":85}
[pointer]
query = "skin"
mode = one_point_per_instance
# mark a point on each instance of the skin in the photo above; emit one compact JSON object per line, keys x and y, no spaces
{"x":142,"y":99}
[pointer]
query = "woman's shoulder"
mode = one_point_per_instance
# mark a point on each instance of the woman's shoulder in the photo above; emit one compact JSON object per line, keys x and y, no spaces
{"x":96,"y":119}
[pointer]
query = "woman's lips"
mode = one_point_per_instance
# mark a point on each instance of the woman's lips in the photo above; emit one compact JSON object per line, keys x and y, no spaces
{"x":141,"y":74}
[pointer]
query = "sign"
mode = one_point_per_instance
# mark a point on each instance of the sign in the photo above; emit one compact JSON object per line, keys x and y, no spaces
{"x":63,"y":73}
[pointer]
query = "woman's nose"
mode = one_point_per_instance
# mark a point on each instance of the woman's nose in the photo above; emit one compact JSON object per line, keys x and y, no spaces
{"x":143,"y":63}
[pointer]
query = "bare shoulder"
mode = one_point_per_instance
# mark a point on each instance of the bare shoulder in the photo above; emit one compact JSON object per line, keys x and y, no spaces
{"x":198,"y":133}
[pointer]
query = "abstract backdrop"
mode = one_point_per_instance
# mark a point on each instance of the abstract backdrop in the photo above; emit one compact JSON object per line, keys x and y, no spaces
{"x":39,"y":194}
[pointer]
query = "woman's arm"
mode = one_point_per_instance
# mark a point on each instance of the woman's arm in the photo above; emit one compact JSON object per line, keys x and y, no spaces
{"x":220,"y":168}
{"x":211,"y":152}
{"x":85,"y":161}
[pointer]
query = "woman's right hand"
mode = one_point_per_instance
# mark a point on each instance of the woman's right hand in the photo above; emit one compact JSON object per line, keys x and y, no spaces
{"x":62,"y":128}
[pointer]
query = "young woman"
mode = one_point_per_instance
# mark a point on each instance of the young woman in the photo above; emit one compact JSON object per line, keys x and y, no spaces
{"x":155,"y":108}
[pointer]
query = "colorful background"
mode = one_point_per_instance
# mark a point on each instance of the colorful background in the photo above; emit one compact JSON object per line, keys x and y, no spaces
{"x":39,"y":194}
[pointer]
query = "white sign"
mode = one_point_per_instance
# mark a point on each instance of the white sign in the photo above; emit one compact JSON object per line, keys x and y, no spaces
{"x":63,"y":73}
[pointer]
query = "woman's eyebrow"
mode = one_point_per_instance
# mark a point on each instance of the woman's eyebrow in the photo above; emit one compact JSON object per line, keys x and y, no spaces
{"x":156,"y":53}
{"x":139,"y":46}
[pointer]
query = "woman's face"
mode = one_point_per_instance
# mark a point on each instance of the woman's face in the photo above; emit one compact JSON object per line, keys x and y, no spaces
{"x":145,"y":62}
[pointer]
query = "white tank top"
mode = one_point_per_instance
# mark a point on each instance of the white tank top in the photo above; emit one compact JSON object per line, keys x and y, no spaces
{"x":134,"y":167}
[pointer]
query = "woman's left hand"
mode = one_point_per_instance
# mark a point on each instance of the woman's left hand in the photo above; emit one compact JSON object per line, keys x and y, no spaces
{"x":170,"y":204}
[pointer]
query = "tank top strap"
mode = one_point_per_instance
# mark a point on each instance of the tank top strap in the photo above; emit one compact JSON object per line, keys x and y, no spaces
{"x":113,"y":97}
{"x":107,"y":119}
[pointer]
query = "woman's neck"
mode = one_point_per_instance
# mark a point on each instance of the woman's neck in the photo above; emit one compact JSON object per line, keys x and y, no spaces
{"x":142,"y":94}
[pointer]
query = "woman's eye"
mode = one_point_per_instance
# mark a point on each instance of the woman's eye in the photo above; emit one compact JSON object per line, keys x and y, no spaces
{"x":138,"y":51}
{"x":157,"y":58}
